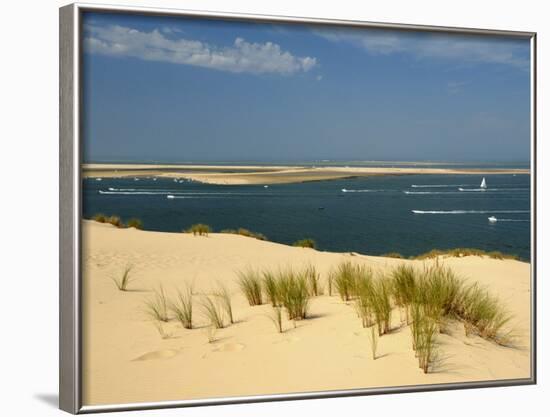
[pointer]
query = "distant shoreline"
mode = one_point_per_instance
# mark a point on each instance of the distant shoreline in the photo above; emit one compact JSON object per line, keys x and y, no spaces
{"x":271,"y":174}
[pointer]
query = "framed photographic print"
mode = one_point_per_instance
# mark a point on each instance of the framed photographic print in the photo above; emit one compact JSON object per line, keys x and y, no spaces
{"x":260,"y":208}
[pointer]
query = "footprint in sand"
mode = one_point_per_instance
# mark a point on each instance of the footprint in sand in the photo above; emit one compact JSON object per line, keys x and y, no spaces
{"x":230,"y":347}
{"x":158,"y":354}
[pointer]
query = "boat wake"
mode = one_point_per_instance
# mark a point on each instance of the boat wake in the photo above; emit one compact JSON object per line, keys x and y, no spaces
{"x":430,"y":192}
{"x":468,"y":211}
{"x":440,"y":185}
{"x":345,"y":190}
{"x":494,"y":220}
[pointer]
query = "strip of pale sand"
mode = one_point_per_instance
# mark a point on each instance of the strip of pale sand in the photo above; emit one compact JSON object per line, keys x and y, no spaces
{"x":242,"y":175}
{"x":126,"y":360}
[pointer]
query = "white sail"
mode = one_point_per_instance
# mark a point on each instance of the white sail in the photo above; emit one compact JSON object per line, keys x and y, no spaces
{"x":483,"y":183}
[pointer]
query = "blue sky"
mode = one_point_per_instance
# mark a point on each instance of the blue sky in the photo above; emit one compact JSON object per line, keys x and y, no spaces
{"x":177,"y":90}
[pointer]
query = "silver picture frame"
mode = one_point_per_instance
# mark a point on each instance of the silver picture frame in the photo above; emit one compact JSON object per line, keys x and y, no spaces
{"x":70,"y":203}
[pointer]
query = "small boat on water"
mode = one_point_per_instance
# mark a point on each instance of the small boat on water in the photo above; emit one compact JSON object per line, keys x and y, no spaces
{"x":483,"y":184}
{"x":482,"y":187}
{"x":492,"y":219}
{"x":266,"y":186}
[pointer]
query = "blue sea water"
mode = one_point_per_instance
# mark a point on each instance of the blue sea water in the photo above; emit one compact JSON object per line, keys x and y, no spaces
{"x":409,"y":214}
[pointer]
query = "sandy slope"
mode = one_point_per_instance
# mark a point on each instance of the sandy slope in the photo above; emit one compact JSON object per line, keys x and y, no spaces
{"x":126,"y":360}
{"x":240,"y":175}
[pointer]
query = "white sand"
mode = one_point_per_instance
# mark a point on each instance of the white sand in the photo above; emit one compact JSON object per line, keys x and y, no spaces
{"x":126,"y":360}
{"x":245,"y":174}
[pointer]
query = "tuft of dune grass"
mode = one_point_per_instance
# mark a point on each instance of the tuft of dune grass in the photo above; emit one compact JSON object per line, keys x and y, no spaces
{"x":344,"y":280}
{"x":277,"y":318}
{"x":294,"y":293}
{"x":395,"y":255}
{"x":100,"y":218}
{"x":124,"y":280}
{"x":485,"y":314}
{"x":313,"y":280}
{"x":271,"y":288}
{"x":245,"y":232}
{"x":438,"y":293}
{"x":183,"y":308}
{"x":224,"y":296}
{"x":461,"y":252}
{"x":381,"y":304}
{"x":157,"y":306}
{"x":305,"y":243}
{"x":364,"y":297}
{"x":403,"y":282}
{"x":212,"y":310}
{"x":199,"y":229}
{"x":250,"y":282}
{"x":135,"y":223}
{"x":115,"y":221}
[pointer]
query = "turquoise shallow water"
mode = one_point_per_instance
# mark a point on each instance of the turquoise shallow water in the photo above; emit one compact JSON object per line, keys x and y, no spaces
{"x":409,"y":214}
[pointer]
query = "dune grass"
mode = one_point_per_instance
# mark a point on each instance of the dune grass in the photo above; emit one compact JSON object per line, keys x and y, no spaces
{"x":199,"y":229}
{"x":485,"y":314}
{"x":123,"y":281}
{"x":395,"y":255}
{"x":436,"y":293}
{"x":213,"y":311}
{"x":183,"y":308}
{"x":461,"y":252}
{"x":425,"y":333}
{"x":250,"y":282}
{"x":245,"y":232}
{"x":224,"y":296}
{"x":294,"y":293}
{"x":271,"y":288}
{"x":363,"y":288}
{"x":380,"y":299}
{"x":403,"y":282}
{"x":115,"y":221}
{"x":100,"y":218}
{"x":344,"y":280}
{"x":157,"y":306}
{"x":135,"y":223}
{"x":330,"y":281}
{"x":277,"y":318}
{"x":313,"y":279}
{"x":305,"y":243}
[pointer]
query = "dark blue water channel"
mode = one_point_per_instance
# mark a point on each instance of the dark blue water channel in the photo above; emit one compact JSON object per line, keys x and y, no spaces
{"x":409,"y":214}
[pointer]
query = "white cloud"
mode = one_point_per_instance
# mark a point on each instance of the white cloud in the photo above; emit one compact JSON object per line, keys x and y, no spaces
{"x":319,"y":77}
{"x":240,"y":57}
{"x":463,"y":48}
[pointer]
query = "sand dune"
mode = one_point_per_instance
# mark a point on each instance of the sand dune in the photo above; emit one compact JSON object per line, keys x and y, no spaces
{"x":126,"y":360}
{"x":241,"y":175}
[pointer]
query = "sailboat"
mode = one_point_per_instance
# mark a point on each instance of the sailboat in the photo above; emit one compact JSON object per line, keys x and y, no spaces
{"x":483,"y":185}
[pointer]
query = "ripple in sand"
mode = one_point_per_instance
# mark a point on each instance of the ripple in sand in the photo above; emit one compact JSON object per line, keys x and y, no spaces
{"x":158,"y":354}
